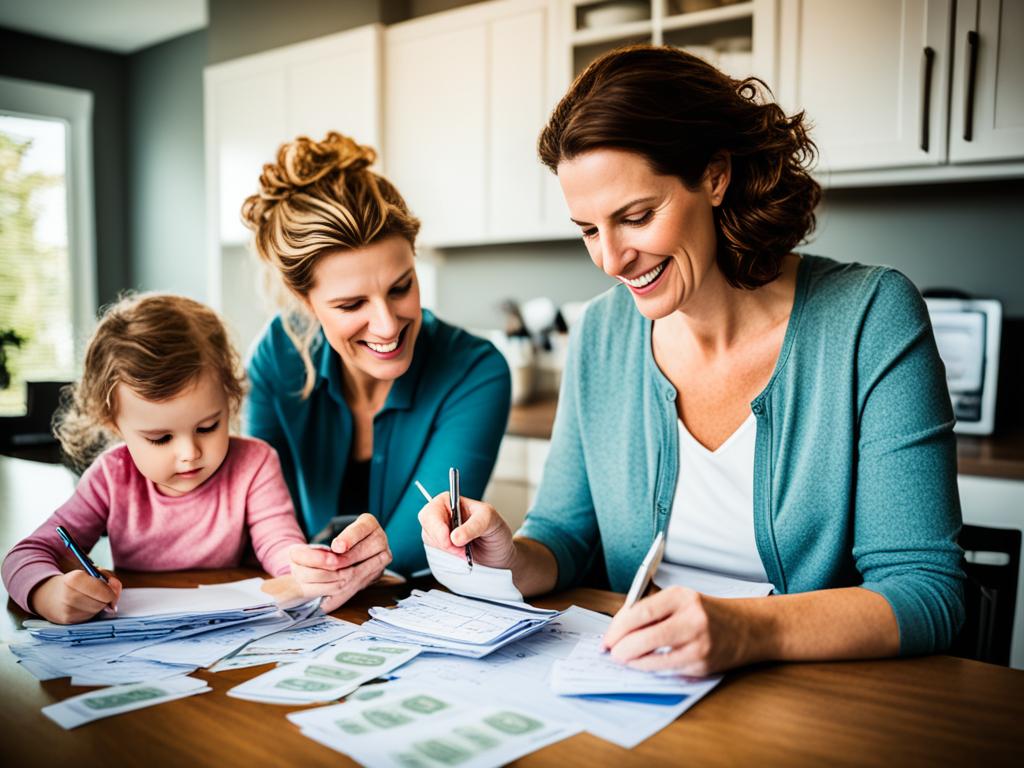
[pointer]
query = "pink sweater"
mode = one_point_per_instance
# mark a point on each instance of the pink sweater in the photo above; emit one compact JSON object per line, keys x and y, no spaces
{"x":209,"y":527}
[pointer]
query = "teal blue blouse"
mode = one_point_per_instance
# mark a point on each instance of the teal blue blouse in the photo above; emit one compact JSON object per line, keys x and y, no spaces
{"x":449,"y":409}
{"x":854,"y":465}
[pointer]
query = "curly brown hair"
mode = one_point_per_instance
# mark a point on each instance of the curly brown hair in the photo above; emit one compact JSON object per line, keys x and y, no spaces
{"x":320,"y":196}
{"x":679,"y":112}
{"x":157,"y":345}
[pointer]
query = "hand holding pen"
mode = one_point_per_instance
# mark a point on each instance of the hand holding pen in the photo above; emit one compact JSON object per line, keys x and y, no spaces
{"x":478,"y":523}
{"x":77,"y":595}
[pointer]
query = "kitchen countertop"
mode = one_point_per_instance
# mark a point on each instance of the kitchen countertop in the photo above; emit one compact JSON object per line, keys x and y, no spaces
{"x":999,"y":456}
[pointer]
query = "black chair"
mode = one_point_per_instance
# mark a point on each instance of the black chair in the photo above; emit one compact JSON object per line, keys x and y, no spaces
{"x":992,"y":565}
{"x":30,"y":436}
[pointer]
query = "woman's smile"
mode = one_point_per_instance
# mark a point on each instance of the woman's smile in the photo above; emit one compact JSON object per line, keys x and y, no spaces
{"x":386,"y":350}
{"x":648,"y":281}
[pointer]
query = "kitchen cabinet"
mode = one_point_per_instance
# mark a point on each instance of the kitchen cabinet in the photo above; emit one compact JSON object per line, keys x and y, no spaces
{"x":871,"y":76}
{"x":467,"y":93}
{"x":253,"y":105}
{"x":516,"y":477}
{"x":874,"y":79}
{"x":736,"y":37}
{"x":987,"y":109}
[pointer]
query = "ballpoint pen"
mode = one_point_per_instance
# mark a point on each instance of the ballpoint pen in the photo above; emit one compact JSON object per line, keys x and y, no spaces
{"x":89,"y":565}
{"x":456,"y":503}
{"x":645,"y":572}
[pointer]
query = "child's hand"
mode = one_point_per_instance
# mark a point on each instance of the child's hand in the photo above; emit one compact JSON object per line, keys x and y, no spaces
{"x":74,"y":596}
{"x":356,"y":559}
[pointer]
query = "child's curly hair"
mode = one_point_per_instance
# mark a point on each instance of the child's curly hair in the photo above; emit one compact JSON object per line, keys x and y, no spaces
{"x":157,"y":345}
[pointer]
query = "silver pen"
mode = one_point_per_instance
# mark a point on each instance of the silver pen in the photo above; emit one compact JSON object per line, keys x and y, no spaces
{"x":456,"y":502}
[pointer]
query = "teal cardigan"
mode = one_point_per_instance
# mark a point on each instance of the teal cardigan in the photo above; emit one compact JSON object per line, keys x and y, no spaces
{"x":854,"y":464}
{"x":449,"y":409}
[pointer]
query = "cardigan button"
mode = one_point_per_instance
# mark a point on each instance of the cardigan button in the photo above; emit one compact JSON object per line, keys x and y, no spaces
{"x":757,"y":408}
{"x":670,"y":395}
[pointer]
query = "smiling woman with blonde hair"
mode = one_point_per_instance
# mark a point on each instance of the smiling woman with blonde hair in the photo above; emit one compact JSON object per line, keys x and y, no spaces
{"x":360,"y":389}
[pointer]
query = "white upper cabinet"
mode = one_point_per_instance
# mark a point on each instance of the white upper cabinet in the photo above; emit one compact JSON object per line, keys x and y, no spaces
{"x":467,"y":93}
{"x":435,"y":121}
{"x":872,"y":77}
{"x":254,"y":104}
{"x":987,"y":121}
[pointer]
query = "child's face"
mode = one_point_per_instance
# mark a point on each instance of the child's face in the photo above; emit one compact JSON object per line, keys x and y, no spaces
{"x":178,"y":443}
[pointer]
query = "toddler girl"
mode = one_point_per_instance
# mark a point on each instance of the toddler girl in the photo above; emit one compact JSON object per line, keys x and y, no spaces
{"x":177,"y":492}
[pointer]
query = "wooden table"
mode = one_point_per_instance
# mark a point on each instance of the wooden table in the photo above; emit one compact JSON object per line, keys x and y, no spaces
{"x":936,"y":710}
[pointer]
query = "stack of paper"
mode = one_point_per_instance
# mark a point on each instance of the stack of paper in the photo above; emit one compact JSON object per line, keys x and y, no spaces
{"x":590,"y":672}
{"x":127,"y":649}
{"x":400,"y":726}
{"x":443,"y":623}
{"x":146,"y":614}
{"x":79,"y":710}
{"x":328,"y":677}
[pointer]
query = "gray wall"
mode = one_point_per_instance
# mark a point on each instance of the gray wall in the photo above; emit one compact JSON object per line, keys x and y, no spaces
{"x":104,"y":74}
{"x":964,"y":235}
{"x":166,"y":171}
{"x":472,"y":282}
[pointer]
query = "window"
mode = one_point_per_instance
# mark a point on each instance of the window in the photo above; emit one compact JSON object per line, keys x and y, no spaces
{"x":47,"y":295}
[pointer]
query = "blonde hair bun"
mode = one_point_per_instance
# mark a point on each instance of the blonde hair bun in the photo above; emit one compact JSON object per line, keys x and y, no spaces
{"x":304,"y":162}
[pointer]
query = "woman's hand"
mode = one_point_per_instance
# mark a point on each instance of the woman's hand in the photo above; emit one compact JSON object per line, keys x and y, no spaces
{"x":357,"y":557}
{"x":703,"y":635}
{"x":481,"y":525}
{"x":74,"y":596}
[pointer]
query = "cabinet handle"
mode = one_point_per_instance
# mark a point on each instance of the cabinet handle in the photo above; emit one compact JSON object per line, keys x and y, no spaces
{"x":972,"y":69}
{"x":926,"y":96}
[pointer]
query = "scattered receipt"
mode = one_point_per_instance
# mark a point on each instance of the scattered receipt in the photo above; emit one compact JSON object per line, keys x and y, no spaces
{"x":335,"y":673}
{"x":479,"y":581}
{"x":79,"y":710}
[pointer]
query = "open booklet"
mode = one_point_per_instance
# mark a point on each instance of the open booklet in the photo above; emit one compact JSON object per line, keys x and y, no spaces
{"x":440,"y":622}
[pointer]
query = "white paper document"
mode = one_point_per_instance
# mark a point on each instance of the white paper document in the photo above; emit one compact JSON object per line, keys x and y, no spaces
{"x":479,"y":581}
{"x":440,"y":622}
{"x":300,"y":641}
{"x":398,"y":726}
{"x":106,"y":702}
{"x":522,"y":673}
{"x":708,"y":582}
{"x":332,"y":674}
{"x":591,"y":672}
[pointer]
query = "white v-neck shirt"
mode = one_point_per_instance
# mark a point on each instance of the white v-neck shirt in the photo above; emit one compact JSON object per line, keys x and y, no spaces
{"x":712,"y":522}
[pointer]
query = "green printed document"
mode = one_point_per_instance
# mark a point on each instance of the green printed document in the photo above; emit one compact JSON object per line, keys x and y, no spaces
{"x":398,"y":725}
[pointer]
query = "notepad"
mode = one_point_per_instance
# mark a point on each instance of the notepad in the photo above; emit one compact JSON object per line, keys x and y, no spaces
{"x":444,"y":623}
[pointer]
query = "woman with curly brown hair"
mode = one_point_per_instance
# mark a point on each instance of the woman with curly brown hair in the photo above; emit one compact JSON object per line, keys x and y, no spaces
{"x":782,"y":419}
{"x":360,"y":389}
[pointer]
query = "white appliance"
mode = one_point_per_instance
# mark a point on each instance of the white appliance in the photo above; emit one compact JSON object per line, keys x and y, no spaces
{"x":968,"y":332}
